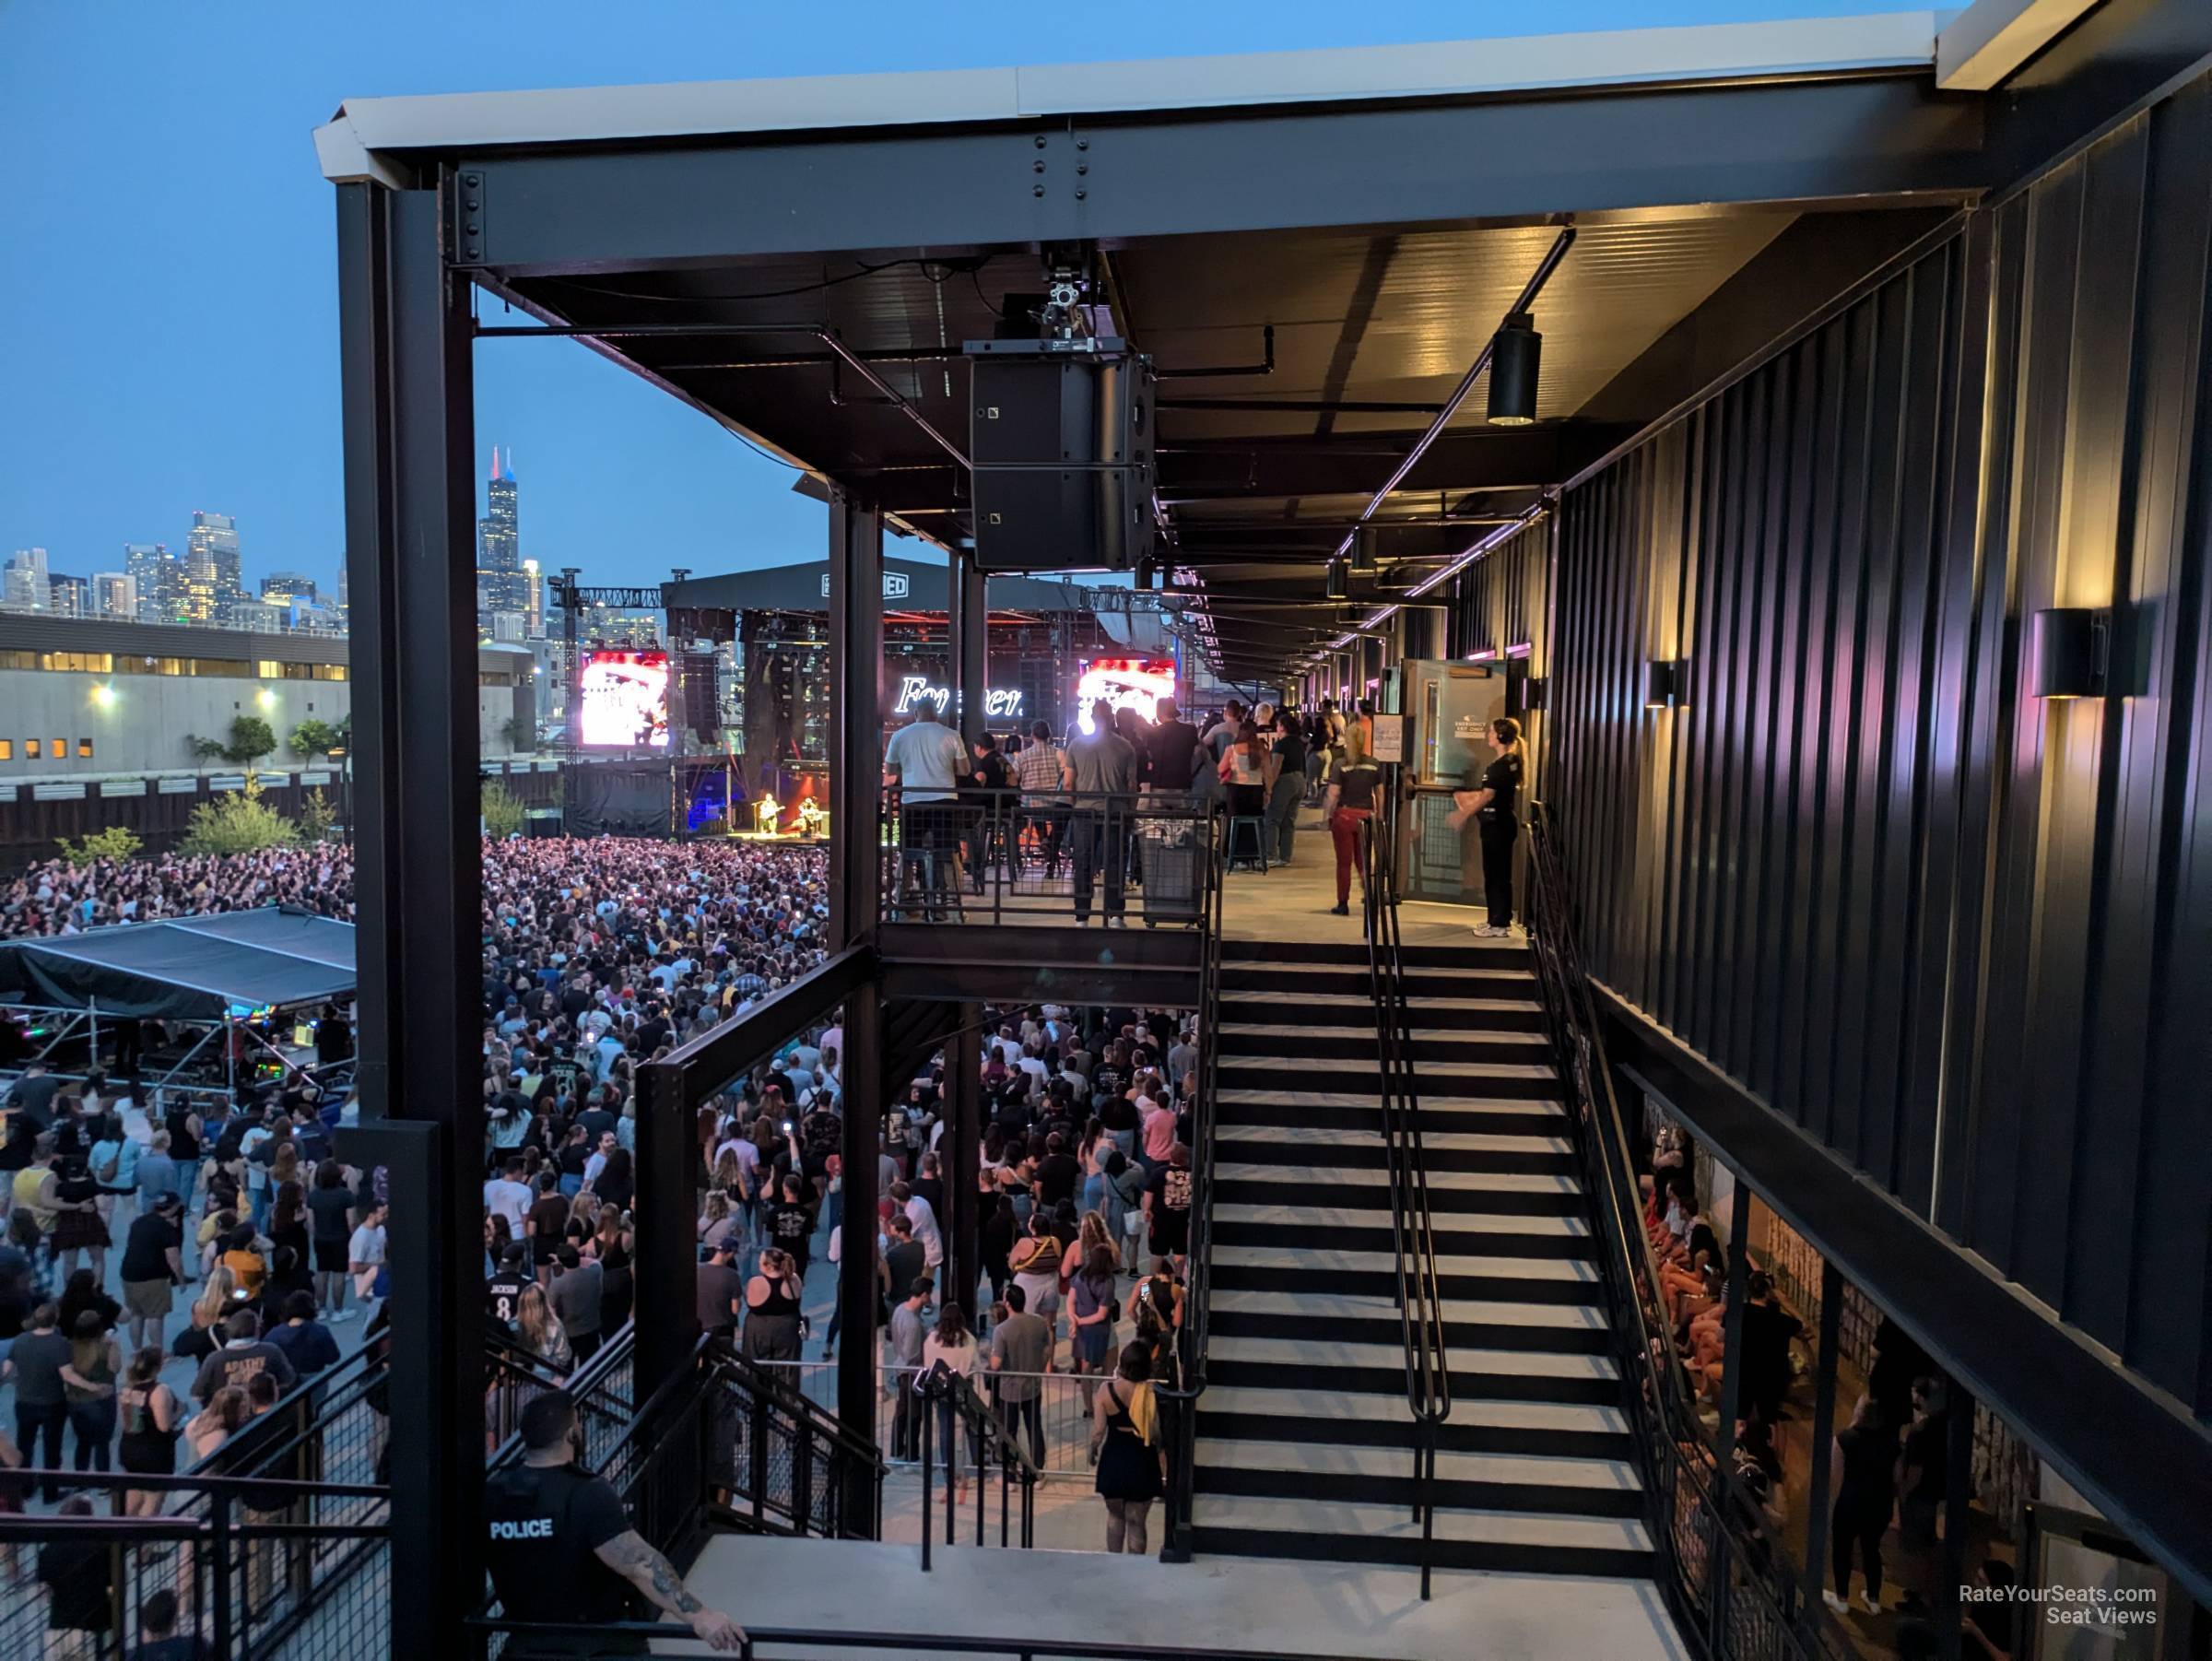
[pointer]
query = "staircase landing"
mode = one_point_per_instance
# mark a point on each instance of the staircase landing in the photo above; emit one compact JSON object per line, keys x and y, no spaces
{"x":1291,"y":902}
{"x":1247,"y":1606}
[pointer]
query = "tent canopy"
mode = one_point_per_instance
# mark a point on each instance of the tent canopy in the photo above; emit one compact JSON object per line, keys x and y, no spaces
{"x":188,"y":968}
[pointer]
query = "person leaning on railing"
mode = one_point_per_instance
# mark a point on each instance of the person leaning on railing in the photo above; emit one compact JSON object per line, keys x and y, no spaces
{"x":560,"y":1547}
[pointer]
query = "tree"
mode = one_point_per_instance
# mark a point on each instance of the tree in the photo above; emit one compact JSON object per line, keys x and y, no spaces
{"x":503,"y":811}
{"x":520,"y":732}
{"x":239,"y":823}
{"x":313,"y":738}
{"x":251,"y":739}
{"x":117,"y":841}
{"x":317,"y":816}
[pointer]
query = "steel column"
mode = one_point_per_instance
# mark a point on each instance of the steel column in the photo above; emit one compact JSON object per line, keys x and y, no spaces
{"x":1739,"y":1274}
{"x":863,"y":1105}
{"x":1824,"y":1431}
{"x":407,"y":392}
{"x":855,"y":763}
{"x":957,"y":1161}
{"x":969,"y":618}
{"x":667,"y":1256}
{"x":1957,"y":1501}
{"x":856,"y":869}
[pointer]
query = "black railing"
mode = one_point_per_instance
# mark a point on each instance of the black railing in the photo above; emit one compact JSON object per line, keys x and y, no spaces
{"x":602,"y":1384}
{"x":723,"y":1444}
{"x":1412,"y":1230}
{"x":998,"y":858}
{"x":251,"y":1563}
{"x":947,"y":1401}
{"x":774,"y":1643}
{"x":1730,"y":1589}
{"x":1179,"y":1397}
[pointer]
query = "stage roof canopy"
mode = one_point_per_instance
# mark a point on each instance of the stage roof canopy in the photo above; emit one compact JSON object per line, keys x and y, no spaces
{"x":186,"y":968}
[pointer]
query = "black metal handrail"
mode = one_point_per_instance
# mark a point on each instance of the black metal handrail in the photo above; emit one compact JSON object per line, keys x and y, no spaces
{"x":991,"y":1439}
{"x":808,"y":1641}
{"x":1412,"y":1229}
{"x":1721,"y":1578}
{"x":1180,"y":1396}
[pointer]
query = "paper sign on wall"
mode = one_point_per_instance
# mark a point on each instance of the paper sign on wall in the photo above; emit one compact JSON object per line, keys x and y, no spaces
{"x":1389,"y":737}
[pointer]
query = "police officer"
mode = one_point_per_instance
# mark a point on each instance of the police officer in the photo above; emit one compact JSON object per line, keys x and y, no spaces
{"x":562,"y":1552}
{"x":1494,"y":804}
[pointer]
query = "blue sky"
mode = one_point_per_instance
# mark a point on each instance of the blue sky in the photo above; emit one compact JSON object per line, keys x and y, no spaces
{"x":166,"y":266}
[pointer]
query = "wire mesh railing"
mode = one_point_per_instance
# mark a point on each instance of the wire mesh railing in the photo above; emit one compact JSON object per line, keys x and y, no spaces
{"x":1112,"y":859}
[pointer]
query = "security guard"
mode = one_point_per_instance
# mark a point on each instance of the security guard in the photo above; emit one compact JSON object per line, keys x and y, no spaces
{"x":1494,"y":804}
{"x":562,"y":1552}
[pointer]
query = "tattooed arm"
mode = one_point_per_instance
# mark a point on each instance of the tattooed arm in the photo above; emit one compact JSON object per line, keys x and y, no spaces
{"x":652,"y":1574}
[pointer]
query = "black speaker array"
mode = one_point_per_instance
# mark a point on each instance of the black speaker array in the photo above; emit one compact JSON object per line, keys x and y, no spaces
{"x":1061,"y":435}
{"x":700,"y":683}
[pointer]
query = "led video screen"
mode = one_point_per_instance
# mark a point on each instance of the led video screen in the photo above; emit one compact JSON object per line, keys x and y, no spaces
{"x":1136,"y":683}
{"x":625,"y":701}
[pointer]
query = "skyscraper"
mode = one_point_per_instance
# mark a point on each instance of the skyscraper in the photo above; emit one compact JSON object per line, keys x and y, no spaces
{"x":290,"y":585}
{"x":115,"y":595}
{"x":533,"y":614}
{"x":69,"y":597}
{"x":158,"y":577}
{"x":25,"y":585}
{"x":501,"y":582}
{"x":211,"y":572}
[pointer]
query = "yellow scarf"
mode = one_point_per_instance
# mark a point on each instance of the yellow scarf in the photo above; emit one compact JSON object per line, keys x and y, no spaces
{"x":1144,"y":1412}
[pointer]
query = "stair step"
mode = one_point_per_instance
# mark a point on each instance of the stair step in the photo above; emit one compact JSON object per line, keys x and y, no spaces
{"x":1444,"y":1153}
{"x":1480,"y":1046}
{"x":1471,"y":1323}
{"x":1352,"y":980}
{"x":1359,"y":1229}
{"x":1352,"y":1306}
{"x":1516,"y":1482}
{"x":1513,"y":1194}
{"x":1504,"y":1541}
{"x":1491,"y":1078}
{"x":1474,"y":1426}
{"x":1475,"y":951}
{"x":1355,"y":1110}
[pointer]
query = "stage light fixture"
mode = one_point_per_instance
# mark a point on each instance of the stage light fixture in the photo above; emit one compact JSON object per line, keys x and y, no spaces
{"x":1516,"y":352}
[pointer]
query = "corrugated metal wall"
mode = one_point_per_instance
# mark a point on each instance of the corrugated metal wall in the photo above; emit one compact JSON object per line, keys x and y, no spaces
{"x":1962,"y":936}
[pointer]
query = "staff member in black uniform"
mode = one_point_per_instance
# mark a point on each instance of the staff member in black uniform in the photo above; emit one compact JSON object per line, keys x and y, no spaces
{"x":1494,"y":804}
{"x":561,"y":1549}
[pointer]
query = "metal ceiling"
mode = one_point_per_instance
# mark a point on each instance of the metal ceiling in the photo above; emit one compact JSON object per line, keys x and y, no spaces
{"x":1260,"y":473}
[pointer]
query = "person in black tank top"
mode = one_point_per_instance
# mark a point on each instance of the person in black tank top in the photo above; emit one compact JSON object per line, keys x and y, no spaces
{"x":1495,"y":807}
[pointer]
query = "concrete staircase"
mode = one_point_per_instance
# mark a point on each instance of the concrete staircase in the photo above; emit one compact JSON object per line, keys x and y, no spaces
{"x":1305,"y":1443}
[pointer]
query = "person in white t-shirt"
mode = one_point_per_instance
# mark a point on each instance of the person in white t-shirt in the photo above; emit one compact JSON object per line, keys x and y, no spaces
{"x":365,"y":1252}
{"x":507,"y":1196}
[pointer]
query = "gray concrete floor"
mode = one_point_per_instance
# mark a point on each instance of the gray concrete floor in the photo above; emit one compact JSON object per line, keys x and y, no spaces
{"x":1249,"y":1606}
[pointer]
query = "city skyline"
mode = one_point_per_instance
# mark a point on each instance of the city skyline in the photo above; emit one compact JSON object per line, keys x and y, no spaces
{"x":194,"y":278}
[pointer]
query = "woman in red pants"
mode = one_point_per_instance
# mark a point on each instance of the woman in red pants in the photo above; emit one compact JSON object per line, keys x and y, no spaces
{"x":1348,"y":806}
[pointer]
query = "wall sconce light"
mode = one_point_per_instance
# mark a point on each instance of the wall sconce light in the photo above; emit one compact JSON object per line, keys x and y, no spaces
{"x":2073,"y":651}
{"x":1663,"y":685}
{"x":1534,"y":693}
{"x":1340,"y":581}
{"x":1515,"y":351}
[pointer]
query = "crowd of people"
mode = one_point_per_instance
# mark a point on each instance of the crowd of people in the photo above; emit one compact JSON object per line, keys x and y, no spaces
{"x":987,"y":805}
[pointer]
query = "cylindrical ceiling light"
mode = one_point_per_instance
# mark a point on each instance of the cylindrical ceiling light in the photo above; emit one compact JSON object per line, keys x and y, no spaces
{"x":1515,"y":351}
{"x":1340,"y":581}
{"x":1363,"y":548}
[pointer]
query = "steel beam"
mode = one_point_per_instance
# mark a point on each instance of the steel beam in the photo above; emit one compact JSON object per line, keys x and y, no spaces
{"x":856,"y":667}
{"x":410,"y":515}
{"x":1863,"y":139}
{"x":967,"y":622}
{"x":957,"y":1164}
{"x":1011,"y":964}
